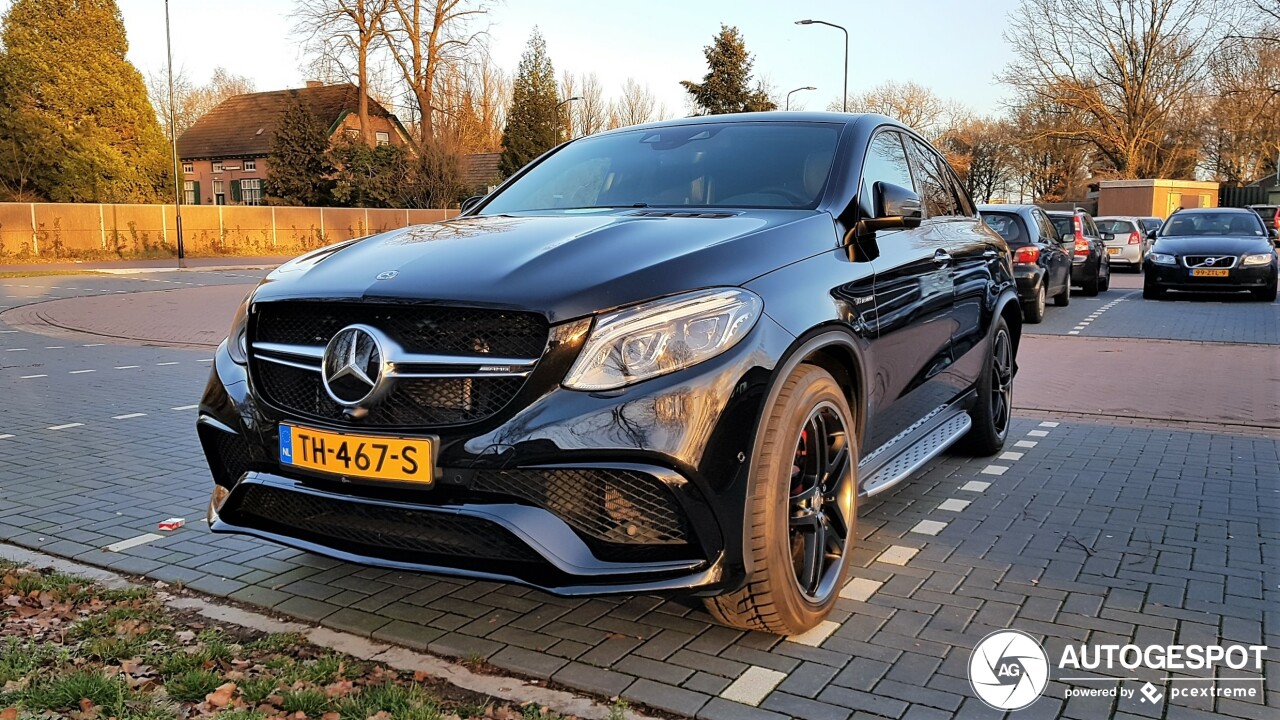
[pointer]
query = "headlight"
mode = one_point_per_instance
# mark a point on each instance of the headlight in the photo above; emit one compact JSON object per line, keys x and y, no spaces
{"x":1162,"y":259}
{"x":237,"y":343}
{"x":1259,"y":259}
{"x":660,"y":337}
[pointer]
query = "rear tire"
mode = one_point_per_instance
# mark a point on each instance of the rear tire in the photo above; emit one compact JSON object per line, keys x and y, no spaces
{"x":994,"y":405}
{"x":1033,"y":313}
{"x":802,"y":493}
{"x":1063,"y":298}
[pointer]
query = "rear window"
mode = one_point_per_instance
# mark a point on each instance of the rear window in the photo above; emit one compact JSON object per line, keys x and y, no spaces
{"x":1010,"y":226}
{"x":1062,"y":225}
{"x":1117,"y":227}
{"x":1151,"y":223}
{"x":1267,"y":213}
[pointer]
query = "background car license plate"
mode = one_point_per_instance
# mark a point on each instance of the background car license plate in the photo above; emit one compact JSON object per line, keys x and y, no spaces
{"x":373,"y":457}
{"x":1208,"y":272}
{"x":1113,"y":251}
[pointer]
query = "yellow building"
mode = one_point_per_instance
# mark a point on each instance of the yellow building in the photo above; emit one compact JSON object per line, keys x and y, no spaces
{"x":1158,"y":198}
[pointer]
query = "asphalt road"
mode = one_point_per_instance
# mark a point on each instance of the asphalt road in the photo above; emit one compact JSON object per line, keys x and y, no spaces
{"x":1138,"y":500}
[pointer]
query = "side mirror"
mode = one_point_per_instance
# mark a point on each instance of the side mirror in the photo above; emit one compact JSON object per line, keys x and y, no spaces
{"x":471,"y":202}
{"x":1274,"y":233}
{"x":1151,"y":234}
{"x":895,"y":207}
{"x":1067,"y":239}
{"x":1107,"y":237}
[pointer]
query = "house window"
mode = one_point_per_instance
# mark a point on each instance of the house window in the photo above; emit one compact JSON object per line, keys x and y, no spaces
{"x":188,"y":168}
{"x":219,"y":192}
{"x":188,"y":192}
{"x":251,"y":192}
{"x":250,"y":165}
{"x":382,"y":138}
{"x":217,"y":166}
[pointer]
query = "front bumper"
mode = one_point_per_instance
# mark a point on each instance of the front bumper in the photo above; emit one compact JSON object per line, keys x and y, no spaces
{"x":683,"y":439}
{"x":1176,"y":277}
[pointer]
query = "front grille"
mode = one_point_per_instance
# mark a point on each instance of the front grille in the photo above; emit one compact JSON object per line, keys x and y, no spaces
{"x":412,"y":402}
{"x":1221,"y":262}
{"x":417,"y":328}
{"x":621,"y":514}
{"x":229,"y":454}
{"x":375,"y":530}
{"x":460,"y":333}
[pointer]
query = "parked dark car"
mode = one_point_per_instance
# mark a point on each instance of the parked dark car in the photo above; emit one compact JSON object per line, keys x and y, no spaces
{"x":1212,"y":249}
{"x":1269,"y":214}
{"x":1151,"y":224}
{"x":1041,"y":259}
{"x":670,"y":358}
{"x":1090,"y":268}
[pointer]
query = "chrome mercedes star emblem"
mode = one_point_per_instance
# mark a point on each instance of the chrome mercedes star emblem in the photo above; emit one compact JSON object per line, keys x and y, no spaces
{"x":388,"y":274}
{"x":352,"y":369}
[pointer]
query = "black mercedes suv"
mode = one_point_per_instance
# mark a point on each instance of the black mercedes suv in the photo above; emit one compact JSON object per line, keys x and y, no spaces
{"x":669,"y":358}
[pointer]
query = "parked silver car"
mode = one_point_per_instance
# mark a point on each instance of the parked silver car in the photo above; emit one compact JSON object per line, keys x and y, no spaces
{"x":1126,"y":239}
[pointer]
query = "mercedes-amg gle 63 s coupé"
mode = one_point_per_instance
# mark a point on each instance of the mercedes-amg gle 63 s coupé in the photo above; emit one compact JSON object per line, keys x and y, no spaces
{"x":669,"y":359}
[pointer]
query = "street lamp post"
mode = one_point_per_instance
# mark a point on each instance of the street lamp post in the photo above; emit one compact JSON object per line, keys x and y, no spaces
{"x":844,"y":99}
{"x":173,"y":144}
{"x":806,"y":87}
{"x":559,"y":105}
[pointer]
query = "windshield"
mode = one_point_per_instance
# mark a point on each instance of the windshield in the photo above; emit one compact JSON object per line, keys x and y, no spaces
{"x":1116,"y":227}
{"x":1210,"y":223}
{"x":1010,"y":227}
{"x":754,"y":165}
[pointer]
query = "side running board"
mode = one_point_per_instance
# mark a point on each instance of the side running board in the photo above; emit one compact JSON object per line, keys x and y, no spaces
{"x":916,"y":455}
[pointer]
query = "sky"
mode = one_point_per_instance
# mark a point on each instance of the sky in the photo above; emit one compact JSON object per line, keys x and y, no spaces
{"x":954,"y":48}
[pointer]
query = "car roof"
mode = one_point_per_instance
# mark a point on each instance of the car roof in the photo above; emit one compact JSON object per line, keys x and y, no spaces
{"x":1203,"y":211}
{"x":1081,"y":211}
{"x":1118,"y":217}
{"x":778,"y":116}
{"x":1005,"y":207}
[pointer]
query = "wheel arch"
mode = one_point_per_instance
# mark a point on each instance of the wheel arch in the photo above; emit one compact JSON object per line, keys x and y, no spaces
{"x":834,"y":349}
{"x":1008,"y":308}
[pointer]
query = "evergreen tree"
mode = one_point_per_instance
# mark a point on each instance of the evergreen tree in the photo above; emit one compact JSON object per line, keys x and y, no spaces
{"x":726,"y":88}
{"x":301,"y":170}
{"x":64,"y":81}
{"x":531,"y":121}
{"x":369,"y":176}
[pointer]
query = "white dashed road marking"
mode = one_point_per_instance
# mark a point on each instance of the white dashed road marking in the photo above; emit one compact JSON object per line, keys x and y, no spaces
{"x":1038,"y":433}
{"x":975,"y":486}
{"x":1011,"y":455}
{"x":1049,"y":424}
{"x":185,"y":407}
{"x":929,"y":527}
{"x":127,"y":367}
{"x":66,"y":426}
{"x":31,"y":377}
{"x":754,"y":685}
{"x":80,"y":372}
{"x":816,"y":635}
{"x":897,"y":555}
{"x":860,"y":589}
{"x":166,"y":363}
{"x":5,"y":437}
{"x":1026,"y":443}
{"x":126,"y":417}
{"x":954,"y":505}
{"x":994,"y":470}
{"x":133,"y":542}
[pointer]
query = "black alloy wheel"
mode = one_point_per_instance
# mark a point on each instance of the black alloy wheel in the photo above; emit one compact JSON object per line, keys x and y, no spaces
{"x":993,"y":407}
{"x":820,"y":483}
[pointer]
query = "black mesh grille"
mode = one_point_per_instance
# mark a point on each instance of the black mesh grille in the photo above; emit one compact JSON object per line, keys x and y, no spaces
{"x":412,"y":402}
{"x":417,"y":328}
{"x":617,"y":507}
{"x":376,"y":530}
{"x":234,"y":453}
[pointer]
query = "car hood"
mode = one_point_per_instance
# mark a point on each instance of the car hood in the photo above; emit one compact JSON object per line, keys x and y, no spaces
{"x":1211,"y":244}
{"x":564,"y":266}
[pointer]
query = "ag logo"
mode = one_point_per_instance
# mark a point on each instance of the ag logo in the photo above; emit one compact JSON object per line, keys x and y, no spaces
{"x":1008,"y":670}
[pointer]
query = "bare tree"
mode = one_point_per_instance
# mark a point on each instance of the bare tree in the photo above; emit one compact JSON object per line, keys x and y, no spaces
{"x":910,"y":103}
{"x":1242,"y":133}
{"x":191,"y":101}
{"x":339,"y":32}
{"x":469,"y":99}
{"x":1124,"y":72}
{"x":980,"y":151}
{"x":1043,"y":166}
{"x":568,"y":119}
{"x":636,"y":105}
{"x":425,"y":36}
{"x":592,"y":112}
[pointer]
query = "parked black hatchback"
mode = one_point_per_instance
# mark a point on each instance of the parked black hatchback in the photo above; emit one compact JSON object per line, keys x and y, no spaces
{"x":665,"y":359}
{"x":1041,"y":259}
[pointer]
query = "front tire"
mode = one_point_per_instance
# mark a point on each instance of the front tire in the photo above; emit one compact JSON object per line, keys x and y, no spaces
{"x":1151,"y":291}
{"x":801,"y":514}
{"x":1267,"y":294}
{"x":994,"y":406}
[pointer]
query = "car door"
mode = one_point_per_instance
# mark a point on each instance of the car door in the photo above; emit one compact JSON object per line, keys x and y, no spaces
{"x":970,"y":250}
{"x":912,"y":322}
{"x":1059,"y":261}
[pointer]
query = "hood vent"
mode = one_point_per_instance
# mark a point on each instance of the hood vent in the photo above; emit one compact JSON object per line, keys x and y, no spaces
{"x":681,"y":214}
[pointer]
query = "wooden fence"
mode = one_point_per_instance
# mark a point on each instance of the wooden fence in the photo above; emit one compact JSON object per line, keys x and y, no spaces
{"x":98,"y":231}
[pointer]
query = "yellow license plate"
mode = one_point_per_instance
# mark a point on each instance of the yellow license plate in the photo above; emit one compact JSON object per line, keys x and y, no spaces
{"x":1113,"y":251}
{"x":371,"y":457}
{"x":1206,"y":272}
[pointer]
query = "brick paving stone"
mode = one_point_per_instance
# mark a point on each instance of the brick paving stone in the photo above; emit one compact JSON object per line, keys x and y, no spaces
{"x":599,"y":681}
{"x":720,"y":709}
{"x":527,"y":662}
{"x":665,"y":697}
{"x":652,"y":669}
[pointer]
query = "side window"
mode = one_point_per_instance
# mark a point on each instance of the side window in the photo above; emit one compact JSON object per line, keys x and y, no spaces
{"x":886,"y":161}
{"x":933,"y":179}
{"x":962,"y":195}
{"x":1089,"y":228}
{"x":1047,"y":230}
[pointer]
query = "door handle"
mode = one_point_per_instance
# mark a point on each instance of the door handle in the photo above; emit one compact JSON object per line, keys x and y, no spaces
{"x":941,"y":257}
